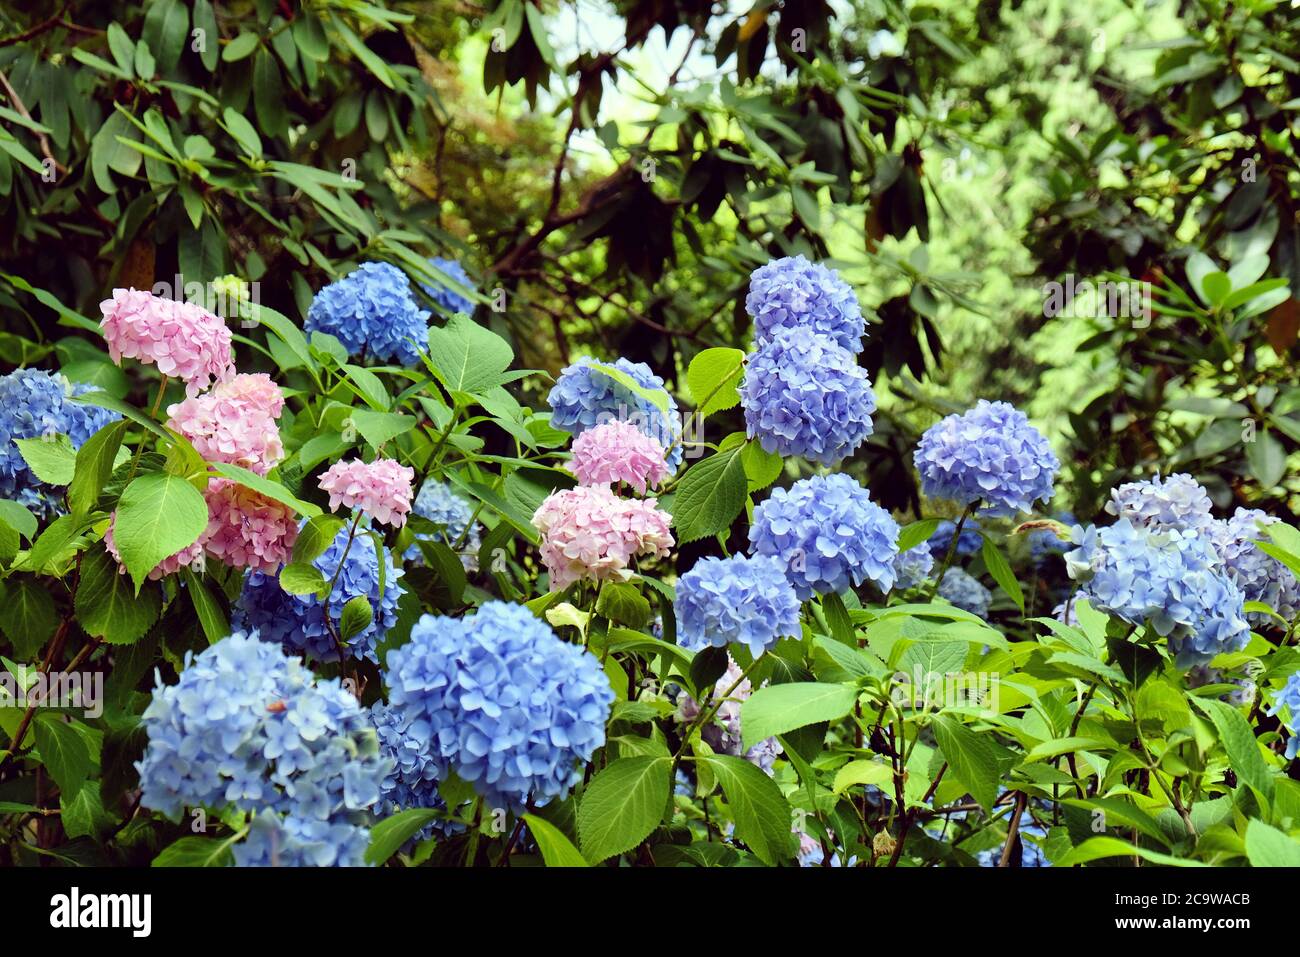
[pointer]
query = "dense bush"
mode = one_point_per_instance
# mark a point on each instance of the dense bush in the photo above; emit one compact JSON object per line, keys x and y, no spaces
{"x":335,"y":575}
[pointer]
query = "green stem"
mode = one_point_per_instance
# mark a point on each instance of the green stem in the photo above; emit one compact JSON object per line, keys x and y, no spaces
{"x":952,"y":547}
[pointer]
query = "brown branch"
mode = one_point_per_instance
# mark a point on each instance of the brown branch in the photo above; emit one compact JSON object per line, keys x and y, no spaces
{"x":22,"y":110}
{"x":1013,"y":828}
{"x":37,"y":30}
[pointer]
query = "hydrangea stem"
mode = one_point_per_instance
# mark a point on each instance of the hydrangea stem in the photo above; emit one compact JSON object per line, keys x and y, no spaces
{"x":952,"y":548}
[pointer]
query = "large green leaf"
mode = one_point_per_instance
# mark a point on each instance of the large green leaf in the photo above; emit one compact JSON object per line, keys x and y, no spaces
{"x":1002,"y":573}
{"x":157,"y":516}
{"x":971,"y":757}
{"x":107,"y":607}
{"x":622,"y":805}
{"x":712,"y":493}
{"x":712,"y":378}
{"x":761,"y":813}
{"x":1266,"y":846}
{"x":1239,"y":743}
{"x":27,"y":615}
{"x":94,"y":466}
{"x":194,"y":851}
{"x":387,"y":837}
{"x":777,"y":709}
{"x":468,"y":357}
{"x":63,"y":752}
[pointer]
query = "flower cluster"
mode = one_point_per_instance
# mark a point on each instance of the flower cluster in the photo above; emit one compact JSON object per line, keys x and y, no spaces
{"x":618,"y":451}
{"x":308,"y":624}
{"x":805,"y":395}
{"x":182,"y":339}
{"x":912,"y":567}
{"x":584,"y":397}
{"x":1178,"y":501}
{"x":251,"y":728}
{"x":723,"y":734}
{"x":1166,"y":577}
{"x":589,"y":532}
{"x":417,"y":766}
{"x":381,"y":489}
{"x":373,"y":312}
{"x":453,"y":518}
{"x":828,"y":534}
{"x":1260,"y":576}
{"x":234,"y":422}
{"x":502,"y":701}
{"x":794,"y":293}
{"x":37,"y":404}
{"x":964,"y":591}
{"x":448,"y":299}
{"x":247,"y":529}
{"x":990,"y":455}
{"x":276,"y":840}
{"x":741,"y":599}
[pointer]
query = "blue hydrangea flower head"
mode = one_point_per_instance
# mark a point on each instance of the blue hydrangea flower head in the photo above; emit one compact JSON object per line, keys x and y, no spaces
{"x":248,"y":726}
{"x":741,"y":599}
{"x":1178,"y":501}
{"x":805,"y":395}
{"x":1260,"y":576}
{"x":828,"y":533}
{"x":36,"y":404}
{"x":964,"y":591}
{"x":303,"y":623}
{"x":417,"y":767}
{"x":1286,"y":705}
{"x":511,"y":708}
{"x":448,"y":299}
{"x":584,"y":396}
{"x":968,"y":542}
{"x":912,"y":567}
{"x":1167,"y":578}
{"x":792,"y":293}
{"x":274,"y":840}
{"x":372,"y":310}
{"x":454,"y":518}
{"x":989,"y":454}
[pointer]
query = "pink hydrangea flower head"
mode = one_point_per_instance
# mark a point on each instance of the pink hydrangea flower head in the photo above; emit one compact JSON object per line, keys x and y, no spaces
{"x":381,"y":489}
{"x":182,"y":339}
{"x":172,"y":563}
{"x":246,"y":529}
{"x":618,"y":451}
{"x":234,"y":422}
{"x":589,"y":532}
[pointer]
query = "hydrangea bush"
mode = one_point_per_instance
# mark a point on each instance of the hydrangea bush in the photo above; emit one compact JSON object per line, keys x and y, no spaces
{"x":619,"y":624}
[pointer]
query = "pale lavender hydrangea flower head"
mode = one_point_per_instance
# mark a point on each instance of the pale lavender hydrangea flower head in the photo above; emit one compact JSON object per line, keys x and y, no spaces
{"x":1177,"y":501}
{"x":794,"y":293}
{"x":742,"y":599}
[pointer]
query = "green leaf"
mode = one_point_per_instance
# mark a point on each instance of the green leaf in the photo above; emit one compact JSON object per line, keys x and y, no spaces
{"x":244,"y":132}
{"x":837,"y":617}
{"x":916,"y":533}
{"x":82,"y":814}
{"x":862,"y":771}
{"x":761,"y":813}
{"x":268,"y":94}
{"x":388,"y":836}
{"x":557,"y":850}
{"x":193,"y":851}
{"x":1096,"y":848}
{"x":378,"y":428}
{"x":712,"y":493}
{"x":157,"y":516}
{"x":1266,"y":458}
{"x":107,"y":606}
{"x":777,"y":709}
{"x":971,"y":758}
{"x":446,"y":564}
{"x":1266,"y":846}
{"x":205,"y":19}
{"x":356,"y":617}
{"x":50,"y":458}
{"x":302,"y":578}
{"x":63,"y":752}
{"x":315,"y":537}
{"x":166,"y":27}
{"x":94,"y":466}
{"x":712,"y":379}
{"x":240,"y":47}
{"x":1001,"y":572}
{"x":16,"y":516}
{"x":272,"y":490}
{"x":27,"y":615}
{"x":656,"y":397}
{"x":622,"y":805}
{"x":1239,"y":743}
{"x":621,"y":602}
{"x":468,"y":357}
{"x":212,"y":617}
